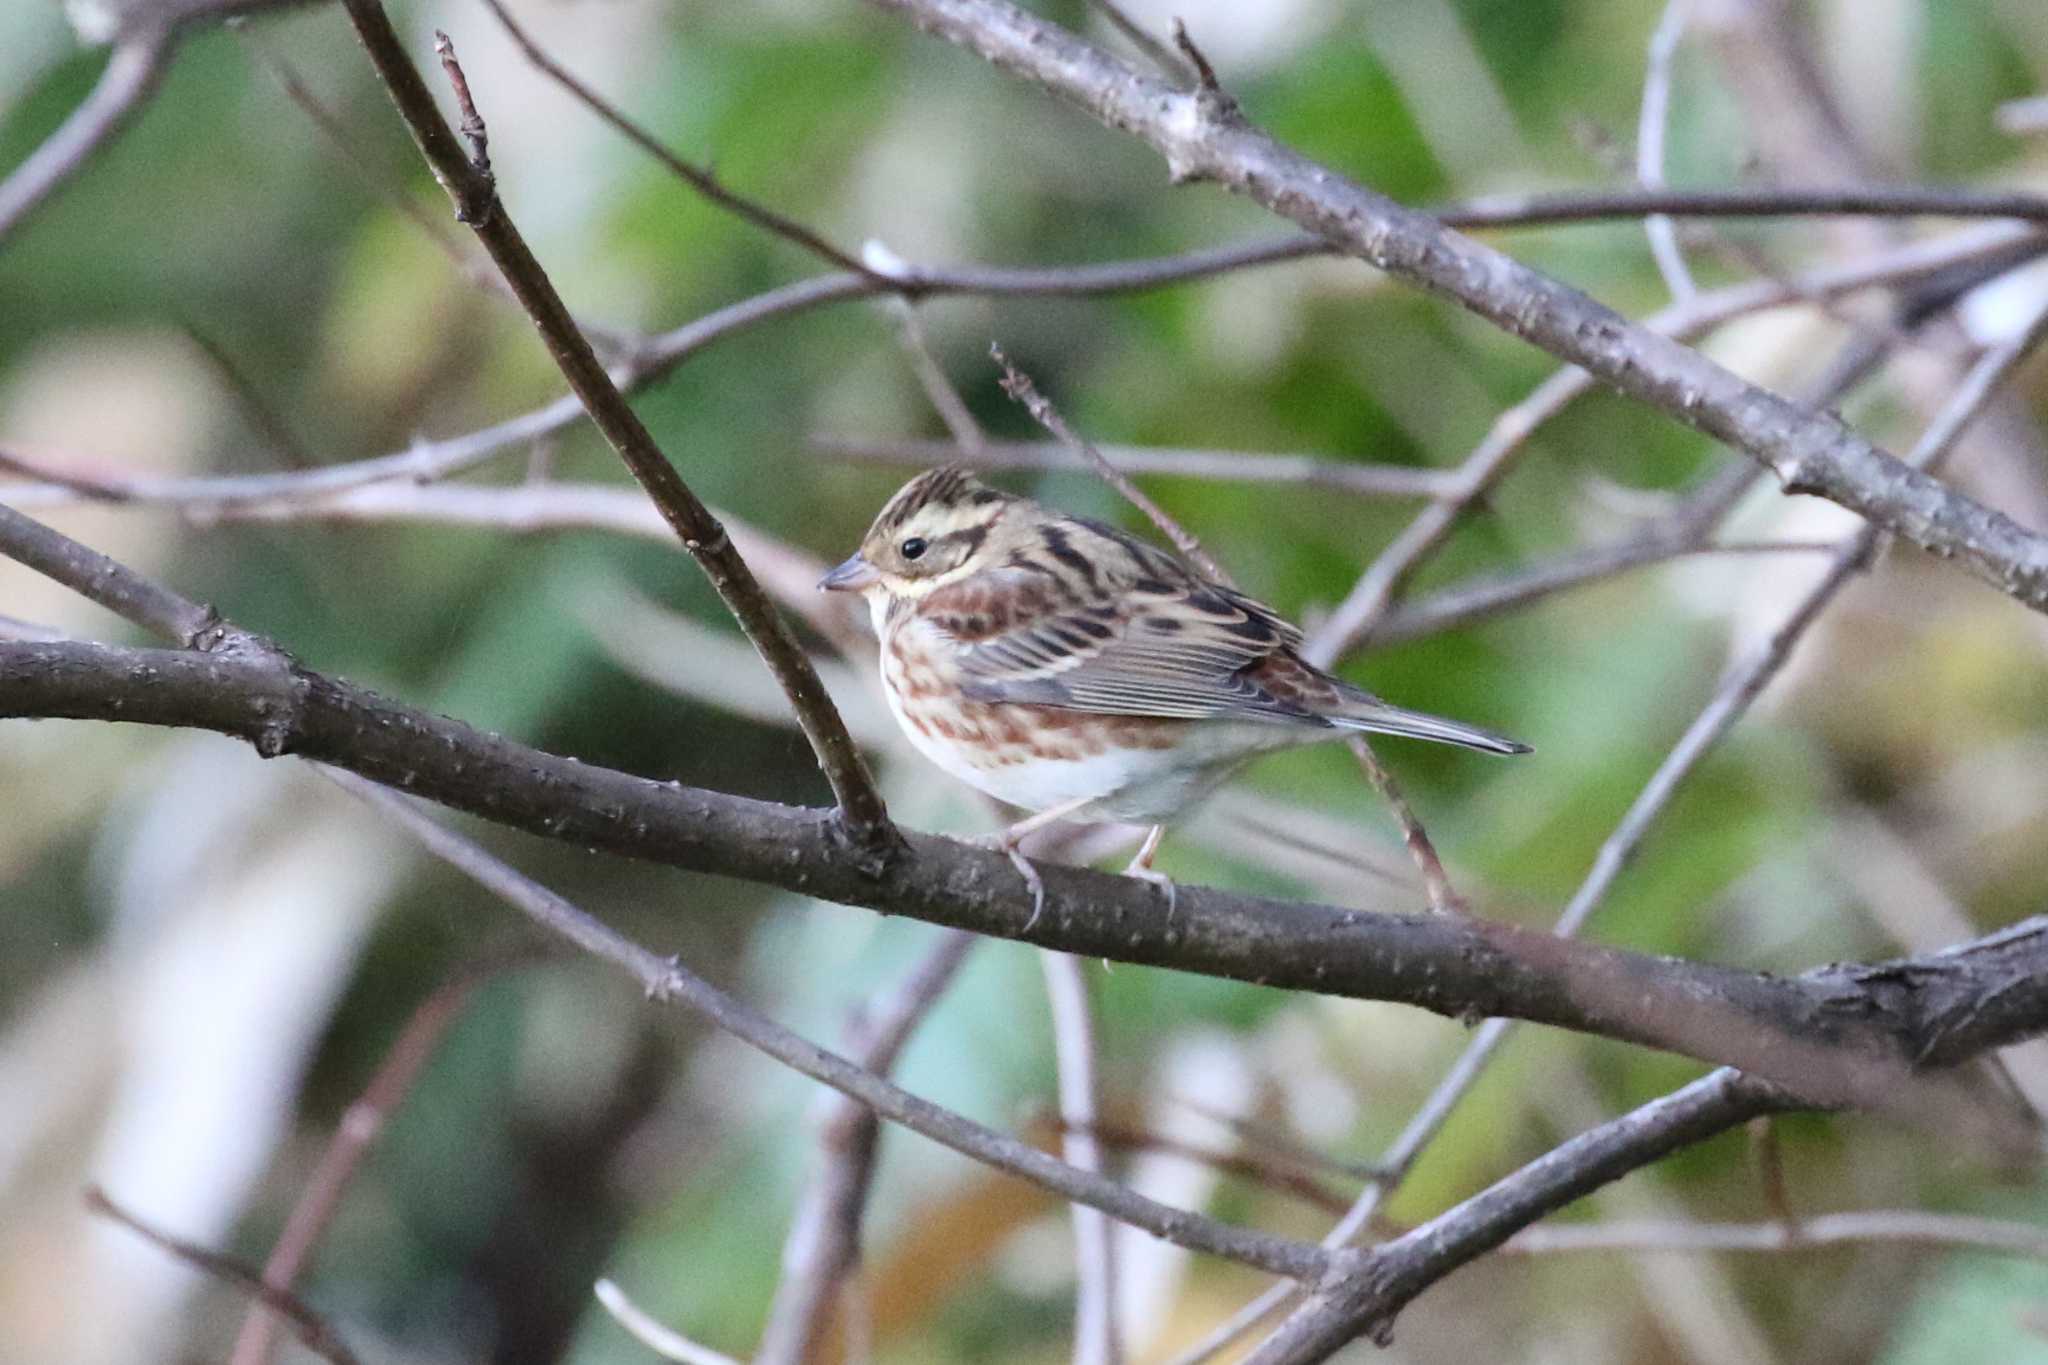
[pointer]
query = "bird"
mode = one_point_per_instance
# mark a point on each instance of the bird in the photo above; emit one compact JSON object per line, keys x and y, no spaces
{"x":1078,"y":672}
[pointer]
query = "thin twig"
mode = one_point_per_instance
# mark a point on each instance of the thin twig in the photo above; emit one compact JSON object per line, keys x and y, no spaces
{"x":696,"y":177}
{"x":823,"y":1245}
{"x":665,"y":1342}
{"x":313,"y":1331}
{"x":1768,"y":1155}
{"x":1019,"y":386}
{"x":1651,"y":127}
{"x":1287,"y":1176}
{"x":427,"y":461}
{"x":394,"y":196}
{"x":476,"y":200}
{"x":1073,"y":1035}
{"x":94,"y":576}
{"x":1222,"y":466}
{"x":1911,"y":1227}
{"x":1478,"y":599}
{"x":667,"y":980}
{"x":1436,"y":884}
{"x":361,"y":1124}
{"x":1170,"y":63}
{"x":262,"y":414}
{"x":969,"y":440}
{"x":133,"y":69}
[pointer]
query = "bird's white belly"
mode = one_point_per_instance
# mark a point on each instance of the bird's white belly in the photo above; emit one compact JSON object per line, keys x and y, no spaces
{"x":1141,"y":785}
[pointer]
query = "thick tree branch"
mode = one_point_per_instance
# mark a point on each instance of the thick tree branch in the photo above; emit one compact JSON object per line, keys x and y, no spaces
{"x":1843,"y":1035}
{"x":1204,"y":138}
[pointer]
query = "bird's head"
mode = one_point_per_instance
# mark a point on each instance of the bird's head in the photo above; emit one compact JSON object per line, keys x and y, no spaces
{"x":941,"y":526}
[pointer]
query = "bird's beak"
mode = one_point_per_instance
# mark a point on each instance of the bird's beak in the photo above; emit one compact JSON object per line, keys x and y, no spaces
{"x":855,"y":575}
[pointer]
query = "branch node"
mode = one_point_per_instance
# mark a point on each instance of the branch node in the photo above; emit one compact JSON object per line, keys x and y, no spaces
{"x":1209,"y":93}
{"x":211,"y":633}
{"x":667,"y":986}
{"x":476,"y":200}
{"x":873,"y":845}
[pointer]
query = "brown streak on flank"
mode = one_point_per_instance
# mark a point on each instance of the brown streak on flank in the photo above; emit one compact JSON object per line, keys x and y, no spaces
{"x":1145,"y":732}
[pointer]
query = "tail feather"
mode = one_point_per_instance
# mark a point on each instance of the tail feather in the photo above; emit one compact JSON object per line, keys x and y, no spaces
{"x":1374,"y":716}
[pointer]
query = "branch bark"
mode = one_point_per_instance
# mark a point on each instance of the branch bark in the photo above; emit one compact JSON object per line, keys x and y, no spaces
{"x":1842,"y":1035}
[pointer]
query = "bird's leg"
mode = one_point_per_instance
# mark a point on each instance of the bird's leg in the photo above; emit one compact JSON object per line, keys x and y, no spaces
{"x":1141,"y":867}
{"x":1007,"y":843}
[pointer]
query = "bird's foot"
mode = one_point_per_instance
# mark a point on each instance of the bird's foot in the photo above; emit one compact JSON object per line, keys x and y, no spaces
{"x":1166,"y":885}
{"x":1140,"y":866}
{"x":1006,"y":844}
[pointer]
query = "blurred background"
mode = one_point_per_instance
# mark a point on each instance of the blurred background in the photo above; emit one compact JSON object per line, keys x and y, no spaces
{"x":204,"y":958}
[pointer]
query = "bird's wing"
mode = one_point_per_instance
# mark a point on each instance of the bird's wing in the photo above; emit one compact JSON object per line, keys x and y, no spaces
{"x":1098,"y":621}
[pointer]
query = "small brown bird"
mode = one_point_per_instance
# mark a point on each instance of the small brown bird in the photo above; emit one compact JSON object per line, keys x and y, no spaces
{"x":1060,"y":665}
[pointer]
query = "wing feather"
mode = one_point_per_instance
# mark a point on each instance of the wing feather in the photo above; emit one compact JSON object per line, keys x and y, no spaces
{"x":1131,"y":631}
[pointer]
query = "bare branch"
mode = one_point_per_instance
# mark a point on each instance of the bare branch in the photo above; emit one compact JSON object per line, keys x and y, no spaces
{"x":136,"y":64}
{"x":1073,"y":1034}
{"x":666,"y":980}
{"x":1794,"y":1032}
{"x":1809,"y":452}
{"x":1170,"y":63}
{"x":968,"y":437}
{"x":1651,"y":127}
{"x":361,"y":1124}
{"x":1222,"y":466}
{"x":93,"y":575}
{"x":1019,"y":386}
{"x":1436,"y":884}
{"x":312,"y":1330}
{"x":665,"y":1342}
{"x":1395,"y":1272}
{"x":1457,"y":966}
{"x":696,"y":177}
{"x":824,"y":1237}
{"x":470,"y":187}
{"x":1911,"y":1227}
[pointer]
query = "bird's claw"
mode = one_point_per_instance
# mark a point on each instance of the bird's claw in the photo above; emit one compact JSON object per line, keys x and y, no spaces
{"x":1166,"y":885}
{"x":1032,"y":881}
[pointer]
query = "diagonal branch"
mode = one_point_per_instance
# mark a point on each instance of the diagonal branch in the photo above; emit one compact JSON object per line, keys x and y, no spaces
{"x":472,"y":190}
{"x":696,"y":177}
{"x":667,"y":980}
{"x":133,"y":69}
{"x":823,"y":1244}
{"x":1205,"y":138}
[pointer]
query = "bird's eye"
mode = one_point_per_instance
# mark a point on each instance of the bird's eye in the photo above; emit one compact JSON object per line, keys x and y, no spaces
{"x":914,"y":547}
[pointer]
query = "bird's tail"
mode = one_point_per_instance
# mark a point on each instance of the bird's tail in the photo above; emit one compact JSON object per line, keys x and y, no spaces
{"x":1370,"y":714}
